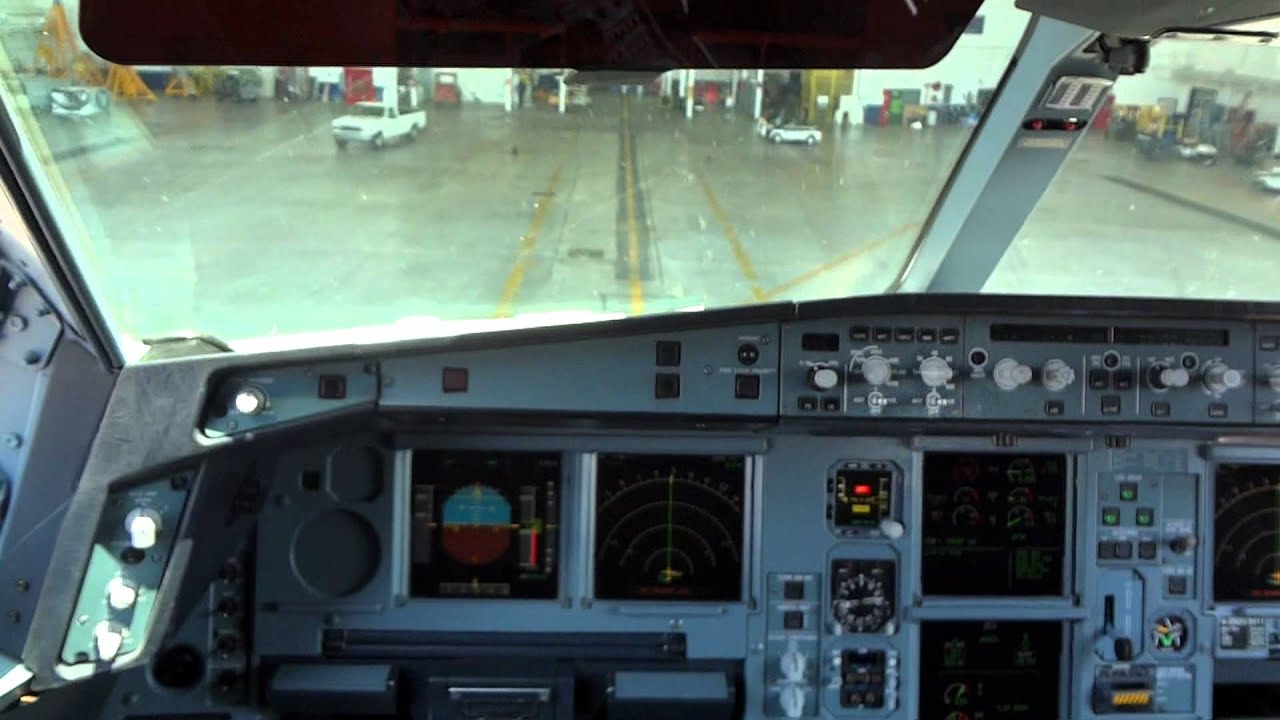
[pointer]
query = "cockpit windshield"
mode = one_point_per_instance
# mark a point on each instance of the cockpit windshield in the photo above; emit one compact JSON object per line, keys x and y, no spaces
{"x":234,"y":202}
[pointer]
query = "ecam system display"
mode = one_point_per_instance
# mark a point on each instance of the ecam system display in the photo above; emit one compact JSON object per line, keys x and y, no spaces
{"x":994,"y":524}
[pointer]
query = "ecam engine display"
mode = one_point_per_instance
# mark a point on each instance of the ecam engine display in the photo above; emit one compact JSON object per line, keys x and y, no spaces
{"x":994,"y":524}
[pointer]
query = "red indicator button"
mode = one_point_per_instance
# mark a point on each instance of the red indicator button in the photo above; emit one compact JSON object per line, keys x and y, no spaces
{"x":861,"y":490}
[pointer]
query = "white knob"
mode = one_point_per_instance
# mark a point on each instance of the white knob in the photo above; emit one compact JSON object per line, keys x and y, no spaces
{"x":1219,"y":378}
{"x":876,"y":400}
{"x":935,"y":371}
{"x":144,"y":526}
{"x":791,"y":700}
{"x":823,"y":378}
{"x":1174,"y":377}
{"x":250,"y":401}
{"x":892,"y":529}
{"x":120,"y":594}
{"x":1010,"y":374}
{"x":792,"y":664}
{"x":876,"y":370}
{"x":1057,"y":375}
{"x":107,"y":640}
{"x":1273,"y":379}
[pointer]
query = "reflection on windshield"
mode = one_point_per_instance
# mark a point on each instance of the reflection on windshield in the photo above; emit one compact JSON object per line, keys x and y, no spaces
{"x":1173,"y":192}
{"x":228,"y":202}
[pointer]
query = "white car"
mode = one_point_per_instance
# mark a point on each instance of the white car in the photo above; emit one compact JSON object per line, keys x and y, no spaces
{"x":1268,"y":180}
{"x":806,"y":134}
{"x":376,"y":123}
{"x":74,"y":101}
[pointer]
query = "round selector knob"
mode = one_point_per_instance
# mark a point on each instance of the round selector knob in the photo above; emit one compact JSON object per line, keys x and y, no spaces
{"x":935,"y":371}
{"x":1057,"y":375}
{"x":1010,"y":374}
{"x":792,"y":664}
{"x":876,"y":370}
{"x":250,"y":401}
{"x":1220,"y":378}
{"x":1182,"y":544}
{"x":791,"y":700}
{"x":1163,"y":377}
{"x":823,"y":378}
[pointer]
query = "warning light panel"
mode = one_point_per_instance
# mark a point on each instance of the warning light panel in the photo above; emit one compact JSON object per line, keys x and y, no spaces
{"x":860,"y":497}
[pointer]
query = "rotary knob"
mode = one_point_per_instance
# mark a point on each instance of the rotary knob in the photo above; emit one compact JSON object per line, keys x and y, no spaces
{"x":1010,"y":374}
{"x":935,"y":371}
{"x":876,"y":370}
{"x":1057,"y":375}
{"x":792,"y":664}
{"x":1163,"y":377}
{"x":823,"y":378}
{"x":1273,"y":378}
{"x":791,"y":700}
{"x":1220,"y":378}
{"x":250,"y":401}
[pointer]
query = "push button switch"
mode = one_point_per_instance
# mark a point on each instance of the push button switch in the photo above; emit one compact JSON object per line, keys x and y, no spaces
{"x":746,"y":387}
{"x":793,"y":620}
{"x":667,"y":353}
{"x":666,"y":386}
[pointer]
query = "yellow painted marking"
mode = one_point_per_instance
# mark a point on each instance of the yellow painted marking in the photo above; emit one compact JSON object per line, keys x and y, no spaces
{"x":837,"y":261}
{"x":528,"y":242}
{"x":731,"y":234}
{"x":633,"y":227}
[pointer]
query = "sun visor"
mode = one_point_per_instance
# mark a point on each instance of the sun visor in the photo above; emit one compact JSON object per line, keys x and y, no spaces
{"x":587,"y":35}
{"x":1143,"y":18}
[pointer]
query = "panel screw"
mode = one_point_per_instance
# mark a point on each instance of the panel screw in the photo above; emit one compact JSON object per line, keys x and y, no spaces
{"x":31,"y":357}
{"x":16,"y":323}
{"x":22,"y":585}
{"x":13,"y":441}
{"x":14,"y":616}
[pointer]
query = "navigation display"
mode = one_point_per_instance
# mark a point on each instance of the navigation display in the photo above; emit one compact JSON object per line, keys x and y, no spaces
{"x":669,"y":527}
{"x":1246,"y":531}
{"x":993,"y":524}
{"x":484,"y":524}
{"x":990,"y":670}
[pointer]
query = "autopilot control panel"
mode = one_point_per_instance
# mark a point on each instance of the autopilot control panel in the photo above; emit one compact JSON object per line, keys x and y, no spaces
{"x":904,"y":512}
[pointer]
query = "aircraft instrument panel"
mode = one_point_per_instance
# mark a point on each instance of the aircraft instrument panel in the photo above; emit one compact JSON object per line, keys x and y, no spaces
{"x":890,"y":509}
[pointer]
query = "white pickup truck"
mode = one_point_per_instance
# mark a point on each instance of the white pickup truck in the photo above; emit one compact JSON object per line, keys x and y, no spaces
{"x":376,"y":123}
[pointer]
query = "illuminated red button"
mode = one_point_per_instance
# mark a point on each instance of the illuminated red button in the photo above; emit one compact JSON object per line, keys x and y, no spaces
{"x":861,"y":489}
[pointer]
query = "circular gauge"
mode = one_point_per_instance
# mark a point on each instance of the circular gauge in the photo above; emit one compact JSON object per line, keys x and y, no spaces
{"x":1021,"y":470}
{"x":966,"y":516}
{"x":1021,"y":517}
{"x":1169,"y":634}
{"x":1021,"y":496}
{"x":957,"y":715}
{"x":669,"y":527}
{"x":965,"y":496}
{"x":862,"y":594}
{"x":956,"y":694}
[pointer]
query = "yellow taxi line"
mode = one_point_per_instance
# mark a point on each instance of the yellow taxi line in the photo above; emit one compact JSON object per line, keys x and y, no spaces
{"x":528,"y":242}
{"x":836,"y":262}
{"x":633,"y":225}
{"x":731,"y":234}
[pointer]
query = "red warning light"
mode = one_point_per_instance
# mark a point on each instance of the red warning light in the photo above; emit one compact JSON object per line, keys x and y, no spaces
{"x":861,"y":490}
{"x":1037,"y":124}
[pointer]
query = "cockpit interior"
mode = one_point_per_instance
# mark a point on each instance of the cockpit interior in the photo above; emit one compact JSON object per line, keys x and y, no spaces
{"x":916,"y":499}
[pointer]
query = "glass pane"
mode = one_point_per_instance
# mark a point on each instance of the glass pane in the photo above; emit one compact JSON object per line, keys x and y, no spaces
{"x":254,"y":202}
{"x":1173,"y":192}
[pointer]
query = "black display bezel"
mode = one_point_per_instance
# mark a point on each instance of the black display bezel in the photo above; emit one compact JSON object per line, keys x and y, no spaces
{"x":425,"y":579}
{"x":1238,"y":592}
{"x":1044,"y":682}
{"x":949,"y":580}
{"x":605,"y":588}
